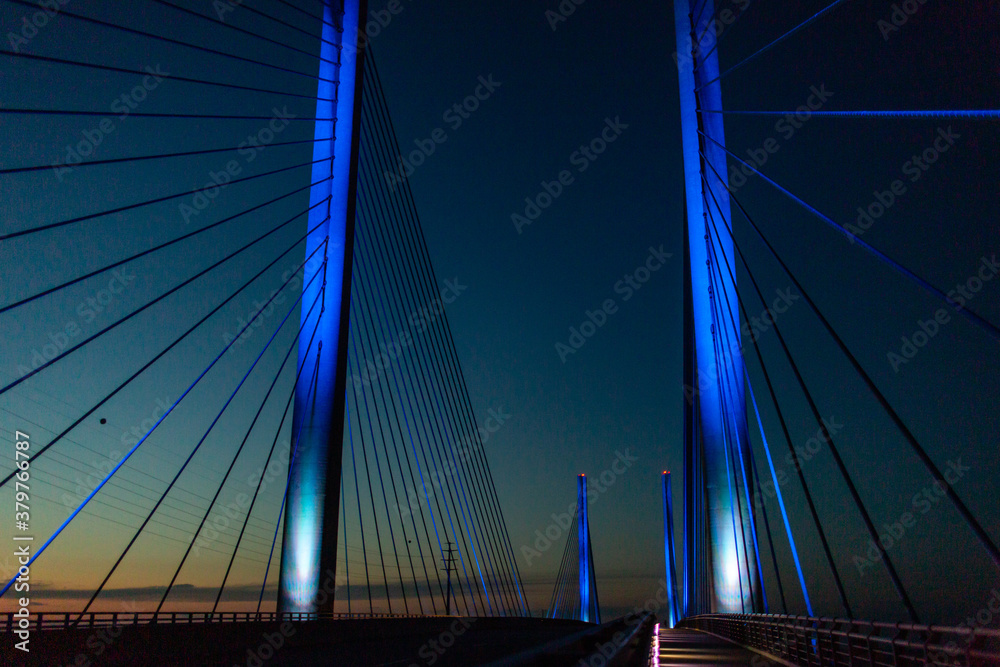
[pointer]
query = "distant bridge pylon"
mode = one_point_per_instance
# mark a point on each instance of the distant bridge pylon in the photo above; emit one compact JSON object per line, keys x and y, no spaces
{"x":575,"y":593}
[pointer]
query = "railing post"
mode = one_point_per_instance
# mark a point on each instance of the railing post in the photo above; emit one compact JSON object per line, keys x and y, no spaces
{"x":802,"y":643}
{"x":822,"y":633}
{"x":850,"y":644}
{"x":928,"y":638}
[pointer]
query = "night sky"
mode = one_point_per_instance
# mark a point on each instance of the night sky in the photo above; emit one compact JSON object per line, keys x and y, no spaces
{"x":622,"y":388}
{"x":554,"y":87}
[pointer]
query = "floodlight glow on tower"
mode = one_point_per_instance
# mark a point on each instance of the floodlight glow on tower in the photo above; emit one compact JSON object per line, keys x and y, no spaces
{"x":718,"y":362}
{"x":309,"y":547}
{"x":673,"y":609}
{"x":589,"y":608}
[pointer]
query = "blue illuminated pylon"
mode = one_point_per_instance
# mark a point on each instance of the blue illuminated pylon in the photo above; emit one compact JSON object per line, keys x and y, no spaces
{"x":589,"y":608}
{"x":723,"y":577}
{"x":309,"y":545}
{"x":673,"y":606}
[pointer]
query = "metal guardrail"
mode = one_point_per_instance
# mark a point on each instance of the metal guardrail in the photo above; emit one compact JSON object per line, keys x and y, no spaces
{"x":832,"y":642}
{"x":629,"y":646}
{"x":65,"y":620}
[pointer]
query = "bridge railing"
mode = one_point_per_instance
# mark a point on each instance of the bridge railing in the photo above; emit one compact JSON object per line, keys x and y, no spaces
{"x":65,"y":620}
{"x":831,"y":642}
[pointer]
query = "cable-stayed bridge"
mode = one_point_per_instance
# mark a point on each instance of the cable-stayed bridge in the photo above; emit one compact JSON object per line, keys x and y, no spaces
{"x":224,"y":267}
{"x":575,"y":593}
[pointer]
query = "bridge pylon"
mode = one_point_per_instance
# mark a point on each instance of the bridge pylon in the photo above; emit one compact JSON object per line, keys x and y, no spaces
{"x":589,"y":609}
{"x":574,"y":595}
{"x":721,"y":564}
{"x":312,"y":501}
{"x":673,"y":605}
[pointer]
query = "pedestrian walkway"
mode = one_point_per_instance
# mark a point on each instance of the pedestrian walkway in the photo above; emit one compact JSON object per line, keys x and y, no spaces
{"x":689,"y":647}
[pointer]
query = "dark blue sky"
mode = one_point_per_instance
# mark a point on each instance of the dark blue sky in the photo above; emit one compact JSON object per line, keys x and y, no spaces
{"x":525,"y":290}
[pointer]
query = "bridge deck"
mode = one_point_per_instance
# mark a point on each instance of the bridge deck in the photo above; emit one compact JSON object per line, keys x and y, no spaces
{"x":403,"y":642}
{"x":690,"y":647}
{"x":438,"y":641}
{"x":441,"y":641}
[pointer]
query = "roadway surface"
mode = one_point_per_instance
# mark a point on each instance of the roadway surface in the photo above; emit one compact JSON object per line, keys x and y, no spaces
{"x":690,"y":647}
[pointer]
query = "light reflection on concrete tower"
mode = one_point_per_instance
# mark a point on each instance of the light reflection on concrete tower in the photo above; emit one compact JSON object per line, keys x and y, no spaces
{"x":309,"y":547}
{"x":725,"y":578}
